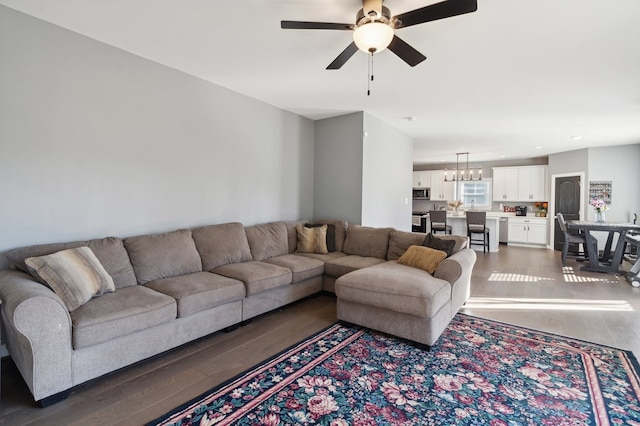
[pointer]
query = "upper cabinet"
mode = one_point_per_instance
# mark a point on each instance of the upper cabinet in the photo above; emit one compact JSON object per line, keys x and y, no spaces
{"x":441,"y":190}
{"x":422,"y":179}
{"x":532,"y":183}
{"x":505,"y":184}
{"x":526,"y":183}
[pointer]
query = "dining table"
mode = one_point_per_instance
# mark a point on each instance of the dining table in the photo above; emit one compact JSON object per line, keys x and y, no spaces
{"x":609,"y":261}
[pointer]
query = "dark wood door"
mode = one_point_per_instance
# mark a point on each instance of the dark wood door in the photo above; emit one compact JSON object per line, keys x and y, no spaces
{"x":567,"y":202}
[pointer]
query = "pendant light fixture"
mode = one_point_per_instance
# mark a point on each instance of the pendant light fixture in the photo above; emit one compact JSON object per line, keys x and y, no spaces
{"x":465,"y":174}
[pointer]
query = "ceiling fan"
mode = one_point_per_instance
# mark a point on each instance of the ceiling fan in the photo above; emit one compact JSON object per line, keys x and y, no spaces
{"x":374,"y":29}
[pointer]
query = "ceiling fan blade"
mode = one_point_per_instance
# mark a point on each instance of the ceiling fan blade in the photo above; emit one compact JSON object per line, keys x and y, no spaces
{"x":343,"y":57}
{"x":300,"y":25}
{"x":407,"y":53}
{"x":433,"y":12}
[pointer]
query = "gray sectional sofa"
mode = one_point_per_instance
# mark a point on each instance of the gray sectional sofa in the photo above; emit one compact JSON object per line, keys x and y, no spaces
{"x":174,"y":287}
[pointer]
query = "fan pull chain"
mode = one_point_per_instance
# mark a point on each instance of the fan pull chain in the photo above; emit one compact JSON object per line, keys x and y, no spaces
{"x":370,"y":75}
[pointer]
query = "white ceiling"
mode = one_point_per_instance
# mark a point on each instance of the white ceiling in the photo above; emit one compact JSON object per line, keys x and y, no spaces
{"x":516,"y":79}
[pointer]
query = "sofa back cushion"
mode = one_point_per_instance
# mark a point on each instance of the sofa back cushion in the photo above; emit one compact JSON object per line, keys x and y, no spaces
{"x":340,"y":231}
{"x":292,"y":233}
{"x":399,"y":242}
{"x":268,"y":240}
{"x":165,"y":255}
{"x":110,"y":252}
{"x":367,"y":241}
{"x":222,"y":244}
{"x":19,"y":255}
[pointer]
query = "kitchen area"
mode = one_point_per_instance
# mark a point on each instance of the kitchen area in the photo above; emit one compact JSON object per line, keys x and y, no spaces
{"x":513,"y":197}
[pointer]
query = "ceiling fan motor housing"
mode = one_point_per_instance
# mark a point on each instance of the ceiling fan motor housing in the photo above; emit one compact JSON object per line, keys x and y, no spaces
{"x":363,"y":18}
{"x":372,"y":8}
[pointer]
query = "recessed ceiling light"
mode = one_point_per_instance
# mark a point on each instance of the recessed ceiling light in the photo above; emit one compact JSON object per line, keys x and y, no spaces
{"x":502,"y":156}
{"x":576,"y":138}
{"x":537,"y":147}
{"x":410,"y":119}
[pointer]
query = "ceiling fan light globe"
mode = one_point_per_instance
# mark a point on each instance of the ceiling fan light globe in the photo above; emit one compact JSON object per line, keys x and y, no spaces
{"x":373,"y":37}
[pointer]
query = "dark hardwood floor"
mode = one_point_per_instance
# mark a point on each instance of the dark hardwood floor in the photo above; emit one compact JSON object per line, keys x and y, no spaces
{"x":516,"y":285}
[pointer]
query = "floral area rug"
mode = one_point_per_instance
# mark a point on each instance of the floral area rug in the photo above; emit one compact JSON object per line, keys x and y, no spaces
{"x":479,"y":372}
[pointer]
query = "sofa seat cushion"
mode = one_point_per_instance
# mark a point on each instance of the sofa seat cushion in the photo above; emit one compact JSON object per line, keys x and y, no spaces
{"x":345,"y":264}
{"x":323,"y":257}
{"x":199,"y":291}
{"x":256,"y":276}
{"x":395,"y":287}
{"x":123,"y":312}
{"x":302,"y":268}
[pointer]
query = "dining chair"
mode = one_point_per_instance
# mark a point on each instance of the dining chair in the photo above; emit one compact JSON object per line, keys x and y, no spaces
{"x":438,"y":220}
{"x":570,"y":239}
{"x":477,"y":224}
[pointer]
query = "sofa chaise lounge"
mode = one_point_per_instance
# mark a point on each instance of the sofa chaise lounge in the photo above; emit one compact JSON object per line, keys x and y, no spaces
{"x":171,"y":288}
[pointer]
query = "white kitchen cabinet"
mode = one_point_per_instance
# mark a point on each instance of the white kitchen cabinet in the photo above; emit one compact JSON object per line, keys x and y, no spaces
{"x":505,"y":184}
{"x":529,"y":231}
{"x":526,"y":183}
{"x":532,"y":183}
{"x":441,"y":190}
{"x":422,"y":179}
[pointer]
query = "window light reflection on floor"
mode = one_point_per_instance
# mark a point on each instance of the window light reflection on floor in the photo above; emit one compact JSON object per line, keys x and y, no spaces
{"x":547,"y":304}
{"x":568,"y":273}
{"x":513,"y":277}
{"x":571,"y":277}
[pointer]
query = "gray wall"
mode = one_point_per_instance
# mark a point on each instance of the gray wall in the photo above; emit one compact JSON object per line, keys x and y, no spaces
{"x":386,"y":176}
{"x":621,"y":166}
{"x":618,"y":164}
{"x":337,"y":187}
{"x":95,"y":141}
{"x":362,"y":171}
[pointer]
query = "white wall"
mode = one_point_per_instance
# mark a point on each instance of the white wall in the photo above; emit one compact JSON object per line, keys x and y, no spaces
{"x":338,"y":168}
{"x":386,"y":176}
{"x":95,"y":141}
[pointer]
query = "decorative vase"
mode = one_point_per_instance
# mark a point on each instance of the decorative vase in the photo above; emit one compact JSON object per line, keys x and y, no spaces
{"x":600,"y":217}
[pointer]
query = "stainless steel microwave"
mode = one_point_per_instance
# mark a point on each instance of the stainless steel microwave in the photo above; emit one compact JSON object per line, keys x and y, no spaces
{"x":421,"y":193}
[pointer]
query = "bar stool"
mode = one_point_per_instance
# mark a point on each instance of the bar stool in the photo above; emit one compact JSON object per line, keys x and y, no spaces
{"x":477,"y":224}
{"x":438,"y":219}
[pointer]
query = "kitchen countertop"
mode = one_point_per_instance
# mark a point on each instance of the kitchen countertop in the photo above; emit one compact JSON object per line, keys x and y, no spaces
{"x":497,"y":214}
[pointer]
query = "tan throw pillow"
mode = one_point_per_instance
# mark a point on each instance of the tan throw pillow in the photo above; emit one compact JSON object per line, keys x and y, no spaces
{"x":75,"y":275}
{"x":424,"y":258}
{"x":312,"y":240}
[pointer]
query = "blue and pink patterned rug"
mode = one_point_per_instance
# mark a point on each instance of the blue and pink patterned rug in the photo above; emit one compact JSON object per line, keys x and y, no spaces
{"x":479,"y":372}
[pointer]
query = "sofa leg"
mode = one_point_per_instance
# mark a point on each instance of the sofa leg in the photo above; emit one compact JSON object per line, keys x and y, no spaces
{"x":231,"y":328}
{"x":246,"y":322}
{"x":50,"y":400}
{"x":420,"y":346}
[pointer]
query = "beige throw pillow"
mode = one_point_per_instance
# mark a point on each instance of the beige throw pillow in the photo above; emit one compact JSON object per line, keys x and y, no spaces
{"x":424,"y":258}
{"x":312,"y":240}
{"x":75,"y":275}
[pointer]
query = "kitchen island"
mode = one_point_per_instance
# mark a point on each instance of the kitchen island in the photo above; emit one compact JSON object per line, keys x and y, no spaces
{"x":458,"y":225}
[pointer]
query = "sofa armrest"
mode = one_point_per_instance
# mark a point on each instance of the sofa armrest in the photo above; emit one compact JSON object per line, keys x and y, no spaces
{"x":38,"y":333}
{"x":456,"y":269}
